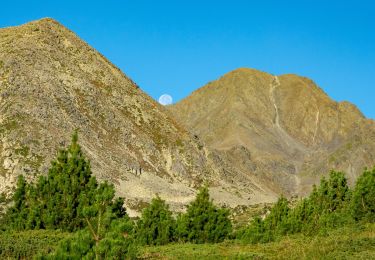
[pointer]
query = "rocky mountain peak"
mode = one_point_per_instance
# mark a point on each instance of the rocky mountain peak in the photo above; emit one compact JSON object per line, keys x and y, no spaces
{"x":284,"y":122}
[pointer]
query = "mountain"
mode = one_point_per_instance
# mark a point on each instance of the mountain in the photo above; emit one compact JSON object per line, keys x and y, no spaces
{"x":283,"y":130}
{"x":249,"y":135}
{"x":52,"y":82}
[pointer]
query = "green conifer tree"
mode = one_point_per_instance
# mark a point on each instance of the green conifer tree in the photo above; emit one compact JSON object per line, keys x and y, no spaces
{"x":203,"y":221}
{"x":156,"y":226}
{"x":363,"y":199}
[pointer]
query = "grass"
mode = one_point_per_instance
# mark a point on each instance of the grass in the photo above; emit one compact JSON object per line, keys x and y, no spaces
{"x":344,"y":243}
{"x":27,"y":244}
{"x":356,"y":242}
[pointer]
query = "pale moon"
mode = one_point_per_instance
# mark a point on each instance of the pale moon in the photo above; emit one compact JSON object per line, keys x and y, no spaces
{"x":165,"y":99}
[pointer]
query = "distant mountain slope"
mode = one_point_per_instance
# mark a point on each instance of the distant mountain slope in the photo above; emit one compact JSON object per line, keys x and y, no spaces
{"x":283,"y":129}
{"x":51,"y":82}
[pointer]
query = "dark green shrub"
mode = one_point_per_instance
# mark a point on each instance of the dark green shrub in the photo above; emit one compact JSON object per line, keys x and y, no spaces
{"x":363,"y":199}
{"x":256,"y":232}
{"x":203,"y":221}
{"x":116,"y":241}
{"x":27,"y":244}
{"x":57,"y":201}
{"x":277,"y":219}
{"x":156,"y":226}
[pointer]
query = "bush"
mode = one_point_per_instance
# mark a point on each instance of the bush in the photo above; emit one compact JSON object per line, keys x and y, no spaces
{"x":256,"y":232}
{"x":363,"y":199}
{"x":115,"y":242}
{"x":156,"y":226}
{"x":69,"y":198}
{"x":326,"y":208}
{"x":203,"y":221}
{"x":58,"y":200}
{"x":27,"y":244}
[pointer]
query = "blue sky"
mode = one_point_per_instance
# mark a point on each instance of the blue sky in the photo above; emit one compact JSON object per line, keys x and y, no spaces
{"x":176,"y":46}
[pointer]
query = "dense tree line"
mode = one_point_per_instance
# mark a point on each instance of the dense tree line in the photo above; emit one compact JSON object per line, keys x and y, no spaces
{"x":330,"y":205}
{"x":202,"y":223}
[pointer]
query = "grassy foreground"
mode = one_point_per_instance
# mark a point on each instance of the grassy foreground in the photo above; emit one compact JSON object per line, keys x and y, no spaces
{"x":344,"y":243}
{"x":27,"y":244}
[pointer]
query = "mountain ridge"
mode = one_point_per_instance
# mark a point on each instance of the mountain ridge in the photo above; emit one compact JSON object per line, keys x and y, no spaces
{"x":285,"y":120}
{"x":52,"y":82}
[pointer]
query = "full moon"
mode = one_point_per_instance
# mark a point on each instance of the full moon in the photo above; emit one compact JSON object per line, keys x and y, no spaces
{"x":165,"y":99}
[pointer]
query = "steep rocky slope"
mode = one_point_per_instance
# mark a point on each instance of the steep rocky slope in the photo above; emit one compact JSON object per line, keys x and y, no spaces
{"x":51,"y":83}
{"x":282,"y":129}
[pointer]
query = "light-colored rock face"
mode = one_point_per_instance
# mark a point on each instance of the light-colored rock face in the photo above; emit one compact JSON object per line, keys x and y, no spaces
{"x":51,"y":83}
{"x":282,"y":129}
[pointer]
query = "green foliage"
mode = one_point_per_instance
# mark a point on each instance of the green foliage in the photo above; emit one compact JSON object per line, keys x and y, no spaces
{"x":363,"y":199}
{"x":27,"y":244}
{"x":277,"y":219}
{"x":332,"y":194}
{"x":114,"y":242}
{"x":203,"y":221}
{"x":256,"y":232}
{"x":62,"y":199}
{"x":343,"y":243}
{"x":69,"y":198}
{"x":326,"y":208}
{"x":275,"y":223}
{"x":156,"y":226}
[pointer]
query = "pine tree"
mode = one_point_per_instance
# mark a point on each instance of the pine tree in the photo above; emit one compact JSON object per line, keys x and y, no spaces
{"x":117,"y":242}
{"x":61,"y":199}
{"x":203,"y":221}
{"x":256,"y":232}
{"x":156,"y":226}
{"x":277,"y":219}
{"x":19,"y":211}
{"x":363,"y":199}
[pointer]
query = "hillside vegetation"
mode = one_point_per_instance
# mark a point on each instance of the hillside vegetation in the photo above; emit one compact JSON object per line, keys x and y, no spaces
{"x":69,"y":215}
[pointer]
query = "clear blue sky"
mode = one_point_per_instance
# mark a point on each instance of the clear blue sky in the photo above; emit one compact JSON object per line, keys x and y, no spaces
{"x":177,"y":46}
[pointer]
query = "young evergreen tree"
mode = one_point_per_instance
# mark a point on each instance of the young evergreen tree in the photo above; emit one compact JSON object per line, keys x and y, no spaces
{"x":156,"y":226}
{"x":61,"y":199}
{"x":256,"y":232}
{"x":277,"y":219}
{"x":363,"y":199}
{"x":203,"y":221}
{"x":301,"y":217}
{"x":116,"y":242}
{"x":19,"y":211}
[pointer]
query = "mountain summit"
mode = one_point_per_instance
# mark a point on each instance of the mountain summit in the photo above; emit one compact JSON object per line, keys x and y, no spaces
{"x":283,"y":129}
{"x":52,"y":82}
{"x":249,"y":135}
